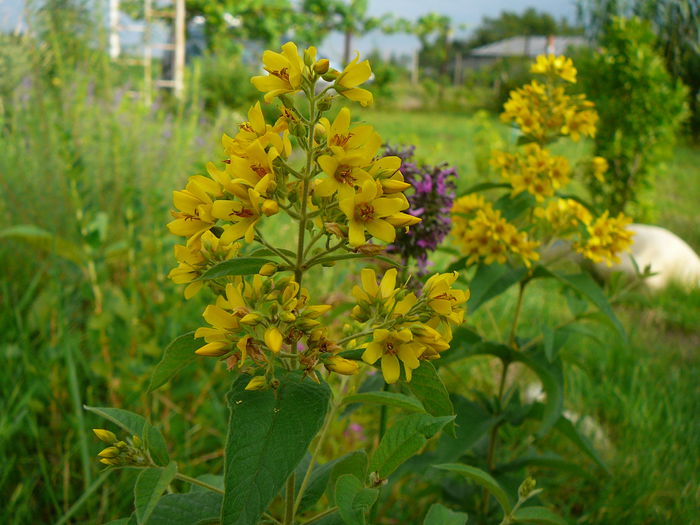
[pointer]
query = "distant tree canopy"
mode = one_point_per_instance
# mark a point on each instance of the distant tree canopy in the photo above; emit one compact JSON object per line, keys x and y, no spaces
{"x":509,"y":24}
{"x":676,"y":24}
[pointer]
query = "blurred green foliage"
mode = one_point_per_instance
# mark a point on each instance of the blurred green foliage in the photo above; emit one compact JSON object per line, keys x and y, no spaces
{"x":628,"y":73}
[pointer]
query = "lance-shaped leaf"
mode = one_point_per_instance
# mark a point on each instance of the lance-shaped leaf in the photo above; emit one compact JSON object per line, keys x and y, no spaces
{"x":403,"y":440}
{"x":538,"y":515}
{"x":187,"y":509}
{"x":481,"y":478}
{"x":491,"y":280}
{"x":237,"y":266}
{"x":149,"y":487}
{"x":269,"y":433}
{"x":390,"y":399}
{"x":135,"y":424}
{"x":427,"y":386}
{"x":177,"y":356}
{"x":441,"y":515}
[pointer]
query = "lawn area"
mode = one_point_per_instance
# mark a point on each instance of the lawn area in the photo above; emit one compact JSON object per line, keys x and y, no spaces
{"x":87,"y":309}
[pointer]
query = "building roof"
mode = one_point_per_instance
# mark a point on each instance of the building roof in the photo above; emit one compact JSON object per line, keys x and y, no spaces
{"x":530,"y":46}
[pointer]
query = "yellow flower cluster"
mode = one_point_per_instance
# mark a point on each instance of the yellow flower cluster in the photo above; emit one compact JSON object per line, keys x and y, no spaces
{"x":543,"y":112}
{"x":121,"y":453}
{"x":533,"y":169}
{"x":484,"y":235}
{"x":408,"y":327}
{"x":546,"y":111}
{"x":606,"y":238}
{"x":343,"y":193}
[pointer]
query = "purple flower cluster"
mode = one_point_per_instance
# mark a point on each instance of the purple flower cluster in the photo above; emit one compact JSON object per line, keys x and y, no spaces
{"x":431,"y":199}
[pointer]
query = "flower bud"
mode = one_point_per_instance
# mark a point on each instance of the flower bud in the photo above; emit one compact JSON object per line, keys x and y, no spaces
{"x":325,"y":103}
{"x":109,"y":452}
{"x":270,"y":207}
{"x":393,"y":185}
{"x":287,"y":317}
{"x":215,"y":349}
{"x":342,"y":366}
{"x":268,"y":269}
{"x":109,"y":461}
{"x":334,"y":228}
{"x":251,"y":319}
{"x":322,"y":66}
{"x":331,"y":75}
{"x":105,"y":435}
{"x":138,"y":443}
{"x":257,"y":383}
{"x":309,"y":56}
{"x":297,"y":129}
{"x":273,"y":339}
{"x":526,"y":487}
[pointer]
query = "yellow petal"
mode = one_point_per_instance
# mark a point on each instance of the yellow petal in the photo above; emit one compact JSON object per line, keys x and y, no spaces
{"x":388,"y":283}
{"x":390,"y":368}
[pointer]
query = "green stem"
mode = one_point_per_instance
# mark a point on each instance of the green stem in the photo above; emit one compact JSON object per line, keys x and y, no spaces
{"x":299,"y":271}
{"x":516,"y":317}
{"x":383,"y":413}
{"x":194,"y":481}
{"x":291,"y":507}
{"x":321,"y":515}
{"x":262,"y":241}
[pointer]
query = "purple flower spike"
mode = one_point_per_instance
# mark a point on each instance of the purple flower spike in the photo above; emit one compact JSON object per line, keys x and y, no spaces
{"x":431,"y":199}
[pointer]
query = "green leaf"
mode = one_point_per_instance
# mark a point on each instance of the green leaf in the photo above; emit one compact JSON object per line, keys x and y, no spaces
{"x":552,"y":378}
{"x":237,"y":266}
{"x":481,"y":478}
{"x":427,"y":386}
{"x":212,"y":479}
{"x":135,"y":424}
{"x":320,"y":476}
{"x":353,"y":499}
{"x":441,"y":515}
{"x":44,"y":240}
{"x":584,"y":284}
{"x":269,"y":432}
{"x":354,"y":463}
{"x":390,"y":399}
{"x":403,"y":440}
{"x":187,"y":509}
{"x":513,"y":207}
{"x":492,"y":280}
{"x":149,"y":487}
{"x":178,"y":354}
{"x":539,"y":515}
{"x":471,"y":424}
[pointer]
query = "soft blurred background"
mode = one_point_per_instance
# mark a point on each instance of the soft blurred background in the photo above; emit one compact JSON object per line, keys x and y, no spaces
{"x":107,"y":106}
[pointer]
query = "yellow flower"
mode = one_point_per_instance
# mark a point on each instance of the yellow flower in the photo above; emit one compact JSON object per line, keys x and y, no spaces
{"x":564,"y":215}
{"x":608,"y":236}
{"x":194,"y":205}
{"x":600,"y":166}
{"x":341,"y":138}
{"x":371,"y":291}
{"x":255,"y":129}
{"x":344,"y":173}
{"x":243,"y":212}
{"x":255,"y":169}
{"x":445,"y":301}
{"x":342,"y":366}
{"x":393,"y":347}
{"x":352,"y":76}
{"x":367,"y":212}
{"x":284,"y":72}
{"x":555,"y":65}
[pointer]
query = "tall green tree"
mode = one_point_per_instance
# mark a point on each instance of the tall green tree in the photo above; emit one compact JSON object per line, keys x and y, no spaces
{"x":677,"y":27}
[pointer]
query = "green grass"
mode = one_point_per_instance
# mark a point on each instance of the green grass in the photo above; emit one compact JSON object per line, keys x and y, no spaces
{"x":86,"y":313}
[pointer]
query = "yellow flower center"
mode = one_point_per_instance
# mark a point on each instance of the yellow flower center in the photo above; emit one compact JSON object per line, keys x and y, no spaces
{"x":340,"y":140}
{"x":245,"y":126}
{"x":389,"y":348}
{"x":261,"y":171}
{"x":282,"y":73}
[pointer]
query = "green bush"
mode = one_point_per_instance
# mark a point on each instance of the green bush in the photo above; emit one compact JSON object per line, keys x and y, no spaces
{"x":225,"y":81}
{"x":640,"y":108}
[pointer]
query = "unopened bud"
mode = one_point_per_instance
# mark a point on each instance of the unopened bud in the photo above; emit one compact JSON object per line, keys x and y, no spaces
{"x":138,"y":443}
{"x":105,"y":435}
{"x":526,"y":487}
{"x":257,"y":383}
{"x":325,"y":103}
{"x":273,"y":339}
{"x":331,"y":75}
{"x":309,"y":56}
{"x":270,"y":207}
{"x":297,"y":129}
{"x":215,"y":349}
{"x":322,"y":66}
{"x":109,"y":452}
{"x":251,"y":319}
{"x":342,"y":366}
{"x":268,"y":269}
{"x":109,"y":461}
